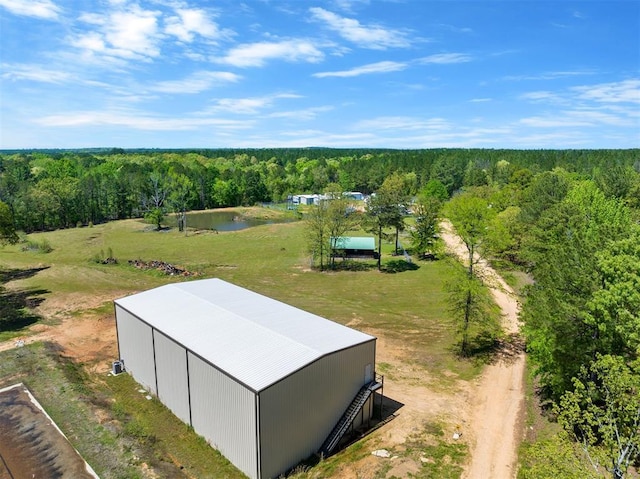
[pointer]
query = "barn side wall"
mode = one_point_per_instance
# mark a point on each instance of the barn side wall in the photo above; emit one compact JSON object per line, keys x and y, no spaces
{"x":135,"y":344}
{"x":171,"y":372}
{"x":298,"y":413}
{"x":224,"y":412}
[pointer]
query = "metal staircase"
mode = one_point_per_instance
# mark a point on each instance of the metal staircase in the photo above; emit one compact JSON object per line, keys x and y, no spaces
{"x":347,"y":418}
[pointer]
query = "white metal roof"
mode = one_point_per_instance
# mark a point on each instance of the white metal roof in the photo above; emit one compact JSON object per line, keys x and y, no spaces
{"x":251,"y":337}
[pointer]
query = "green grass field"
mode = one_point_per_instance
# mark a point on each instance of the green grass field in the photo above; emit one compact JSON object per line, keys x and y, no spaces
{"x":409,"y":306}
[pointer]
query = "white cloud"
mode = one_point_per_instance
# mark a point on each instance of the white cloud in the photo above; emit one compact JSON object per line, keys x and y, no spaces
{"x":554,"y":122}
{"x":256,"y":54}
{"x":605,"y":104}
{"x":380,"y":67}
{"x":44,"y":9}
{"x":599,"y":117}
{"x":190,"y":22}
{"x":196,"y":83}
{"x":550,"y":75}
{"x":480,"y":100}
{"x":365,"y":36}
{"x":33,"y":73}
{"x":584,"y":117}
{"x":403,"y":123}
{"x":138,"y":121}
{"x":445,"y":58}
{"x":302,"y":115}
{"x":454,"y":29}
{"x":541,"y":96}
{"x":348,"y":5}
{"x":129,"y":32}
{"x":616,"y":92}
{"x":248,"y":106}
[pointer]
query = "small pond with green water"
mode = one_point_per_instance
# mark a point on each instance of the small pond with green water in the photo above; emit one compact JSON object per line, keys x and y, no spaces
{"x":227,"y":221}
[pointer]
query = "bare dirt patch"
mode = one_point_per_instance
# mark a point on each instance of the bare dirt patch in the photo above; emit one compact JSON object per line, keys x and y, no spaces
{"x":88,"y":337}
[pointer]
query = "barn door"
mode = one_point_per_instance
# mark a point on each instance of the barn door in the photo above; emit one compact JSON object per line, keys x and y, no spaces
{"x":368,"y":373}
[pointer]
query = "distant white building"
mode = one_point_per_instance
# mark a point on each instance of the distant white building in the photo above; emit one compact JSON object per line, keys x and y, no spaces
{"x":316,"y":198}
{"x":355,"y":195}
{"x":306,"y":199}
{"x":265,"y":383}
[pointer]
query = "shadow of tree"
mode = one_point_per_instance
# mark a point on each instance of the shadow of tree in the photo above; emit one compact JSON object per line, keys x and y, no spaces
{"x":350,"y":265}
{"x":16,"y":307}
{"x":398,"y":266}
{"x":486,"y":348}
{"x":7,"y":275}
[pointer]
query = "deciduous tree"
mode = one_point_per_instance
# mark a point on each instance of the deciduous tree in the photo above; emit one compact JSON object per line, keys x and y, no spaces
{"x":426,"y":212}
{"x":7,"y":225}
{"x":563,"y":248}
{"x":602,"y":412}
{"x":470,"y":216}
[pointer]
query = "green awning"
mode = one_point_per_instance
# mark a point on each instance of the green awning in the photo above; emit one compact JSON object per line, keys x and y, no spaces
{"x":353,"y":242}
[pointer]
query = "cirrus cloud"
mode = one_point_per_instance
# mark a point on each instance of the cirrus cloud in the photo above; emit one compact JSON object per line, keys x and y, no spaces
{"x":379,"y":67}
{"x":373,"y":37}
{"x":445,"y":58}
{"x":257,"y":54}
{"x":196,"y":83}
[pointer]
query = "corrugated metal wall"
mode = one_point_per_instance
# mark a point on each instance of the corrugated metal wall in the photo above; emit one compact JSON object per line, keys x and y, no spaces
{"x":171,"y":371}
{"x":299,"y":412}
{"x":135,"y":341}
{"x":224,"y":412}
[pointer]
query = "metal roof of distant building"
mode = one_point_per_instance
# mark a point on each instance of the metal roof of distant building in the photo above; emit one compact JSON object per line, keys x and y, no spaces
{"x":353,"y":242}
{"x":253,"y":338}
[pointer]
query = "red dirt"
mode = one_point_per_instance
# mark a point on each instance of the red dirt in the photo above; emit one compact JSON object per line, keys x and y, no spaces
{"x":497,"y":399}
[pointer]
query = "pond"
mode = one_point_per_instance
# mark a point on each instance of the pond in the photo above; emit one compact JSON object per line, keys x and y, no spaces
{"x":227,"y":221}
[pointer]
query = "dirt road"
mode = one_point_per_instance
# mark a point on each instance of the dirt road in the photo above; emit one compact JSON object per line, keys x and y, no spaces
{"x":497,"y":398}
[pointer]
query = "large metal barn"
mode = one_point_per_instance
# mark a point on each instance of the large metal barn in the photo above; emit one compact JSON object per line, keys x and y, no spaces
{"x":267,"y":384}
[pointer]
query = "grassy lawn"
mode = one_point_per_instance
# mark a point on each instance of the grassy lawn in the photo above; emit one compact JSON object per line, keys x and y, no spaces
{"x":409,"y":306}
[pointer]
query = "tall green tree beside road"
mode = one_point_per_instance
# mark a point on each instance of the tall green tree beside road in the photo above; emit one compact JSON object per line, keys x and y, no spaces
{"x":563,"y":248}
{"x":470,"y":216}
{"x":469,"y":305}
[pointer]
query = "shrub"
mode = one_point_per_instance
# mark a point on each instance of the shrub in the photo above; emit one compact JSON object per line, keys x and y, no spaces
{"x":42,"y":246}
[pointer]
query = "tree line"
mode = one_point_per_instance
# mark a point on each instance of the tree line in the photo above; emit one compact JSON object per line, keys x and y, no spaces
{"x":59,"y":189}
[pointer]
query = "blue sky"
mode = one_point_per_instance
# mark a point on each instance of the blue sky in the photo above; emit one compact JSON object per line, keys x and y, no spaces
{"x":335,"y":73}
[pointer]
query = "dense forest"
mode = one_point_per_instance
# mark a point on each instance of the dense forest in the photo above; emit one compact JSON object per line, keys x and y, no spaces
{"x":569,"y":218}
{"x":49,"y":189}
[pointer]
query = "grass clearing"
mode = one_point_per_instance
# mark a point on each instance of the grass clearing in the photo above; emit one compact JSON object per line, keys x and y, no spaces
{"x":408,"y":307}
{"x":270,"y":259}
